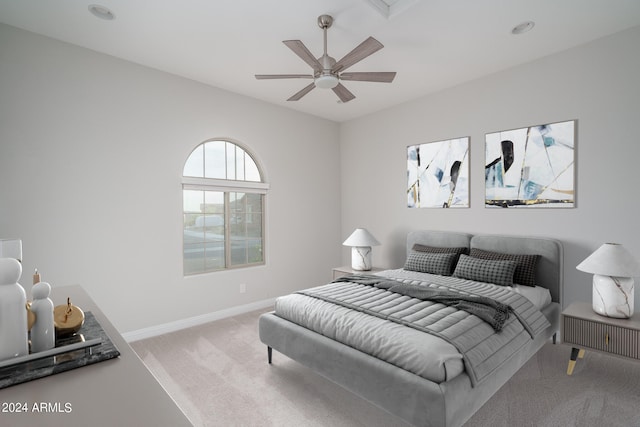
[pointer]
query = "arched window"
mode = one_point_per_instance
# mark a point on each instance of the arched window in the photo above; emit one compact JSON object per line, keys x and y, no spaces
{"x":223,"y":192}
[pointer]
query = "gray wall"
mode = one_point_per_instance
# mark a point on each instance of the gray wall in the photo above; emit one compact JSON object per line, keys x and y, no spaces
{"x":92,"y":149}
{"x":91,"y":156}
{"x":596,"y":84}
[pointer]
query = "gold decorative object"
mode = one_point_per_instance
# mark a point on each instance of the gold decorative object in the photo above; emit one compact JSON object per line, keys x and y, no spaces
{"x":31,"y":316}
{"x":68,"y":318}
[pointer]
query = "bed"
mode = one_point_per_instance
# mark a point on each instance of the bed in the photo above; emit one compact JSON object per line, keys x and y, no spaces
{"x":332,"y":330}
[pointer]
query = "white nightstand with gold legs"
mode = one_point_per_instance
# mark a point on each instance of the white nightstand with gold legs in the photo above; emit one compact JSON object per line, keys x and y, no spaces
{"x":584,"y":329}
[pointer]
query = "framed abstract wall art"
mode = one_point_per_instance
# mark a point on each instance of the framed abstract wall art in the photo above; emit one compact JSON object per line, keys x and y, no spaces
{"x":531,"y":167}
{"x":438,"y":174}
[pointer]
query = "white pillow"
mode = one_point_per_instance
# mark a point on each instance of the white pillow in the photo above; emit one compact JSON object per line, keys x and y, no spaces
{"x":539,"y":296}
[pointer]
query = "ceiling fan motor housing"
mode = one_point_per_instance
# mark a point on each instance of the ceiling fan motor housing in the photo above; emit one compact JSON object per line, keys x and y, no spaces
{"x":325,"y":21}
{"x":327,"y":73}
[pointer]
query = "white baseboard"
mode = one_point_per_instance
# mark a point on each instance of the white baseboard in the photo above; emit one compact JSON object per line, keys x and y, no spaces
{"x":165,"y":328}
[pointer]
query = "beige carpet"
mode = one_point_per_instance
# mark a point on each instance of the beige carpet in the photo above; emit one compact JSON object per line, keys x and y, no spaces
{"x":218,"y":374}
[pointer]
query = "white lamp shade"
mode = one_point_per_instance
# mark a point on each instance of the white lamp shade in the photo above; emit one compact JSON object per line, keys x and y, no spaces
{"x":361,"y":238}
{"x":611,"y":259}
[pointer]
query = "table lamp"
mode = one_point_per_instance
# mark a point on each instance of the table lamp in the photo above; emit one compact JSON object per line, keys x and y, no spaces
{"x":361,"y":241}
{"x":613,"y":269}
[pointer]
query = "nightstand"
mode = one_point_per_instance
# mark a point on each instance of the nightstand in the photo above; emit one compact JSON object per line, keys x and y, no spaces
{"x":346,"y":270}
{"x":585,"y":330}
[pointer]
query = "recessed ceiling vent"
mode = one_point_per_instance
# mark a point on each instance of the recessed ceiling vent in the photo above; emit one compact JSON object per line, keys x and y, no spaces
{"x":391,"y":8}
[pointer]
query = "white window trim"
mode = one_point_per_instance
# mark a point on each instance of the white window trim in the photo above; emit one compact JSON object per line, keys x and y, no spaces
{"x":193,"y":183}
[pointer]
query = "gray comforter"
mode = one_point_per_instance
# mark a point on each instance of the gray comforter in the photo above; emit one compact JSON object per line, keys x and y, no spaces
{"x":359,"y":308}
{"x":491,"y":311}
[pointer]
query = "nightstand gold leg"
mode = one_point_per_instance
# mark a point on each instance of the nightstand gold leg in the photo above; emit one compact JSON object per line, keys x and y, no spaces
{"x":581,"y":353}
{"x":575,"y":353}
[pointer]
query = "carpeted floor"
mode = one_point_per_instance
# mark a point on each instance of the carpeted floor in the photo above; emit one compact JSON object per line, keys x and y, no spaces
{"x":218,"y":374}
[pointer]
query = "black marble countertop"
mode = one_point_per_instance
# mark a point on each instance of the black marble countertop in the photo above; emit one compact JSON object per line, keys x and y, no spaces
{"x":64,"y":361}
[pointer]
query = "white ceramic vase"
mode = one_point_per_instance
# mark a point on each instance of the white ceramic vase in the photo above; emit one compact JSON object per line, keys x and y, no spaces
{"x":43,"y":336}
{"x":613,"y":296}
{"x":361,"y":258}
{"x":13,"y":312}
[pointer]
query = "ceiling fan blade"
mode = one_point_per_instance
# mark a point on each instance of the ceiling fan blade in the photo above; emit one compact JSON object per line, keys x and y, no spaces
{"x":343,"y":93}
{"x":302,"y":93}
{"x":364,"y":49}
{"x":301,"y":50}
{"x":382,"y":77}
{"x":283,"y":76}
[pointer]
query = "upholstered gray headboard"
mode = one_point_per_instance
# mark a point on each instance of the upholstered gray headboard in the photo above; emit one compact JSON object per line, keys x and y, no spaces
{"x":550,"y":268}
{"x":444,"y":239}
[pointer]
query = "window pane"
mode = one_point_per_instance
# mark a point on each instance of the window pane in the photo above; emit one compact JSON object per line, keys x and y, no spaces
{"x":255,"y":253}
{"x":251,"y":170}
{"x":214,"y":254}
{"x":193,"y":256}
{"x":254,"y":224}
{"x":194,"y":165}
{"x":193,"y":233}
{"x":240,"y":156}
{"x":212,"y":229}
{"x":231,"y":161}
{"x":254,"y":202}
{"x":214,"y":160}
{"x":245,"y":228}
{"x":246,"y":250}
{"x":213,"y":202}
{"x":238,"y":251}
{"x":203,"y":248}
{"x":192,"y":201}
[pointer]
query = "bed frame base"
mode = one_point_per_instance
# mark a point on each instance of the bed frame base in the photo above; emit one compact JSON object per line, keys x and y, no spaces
{"x":410,"y":397}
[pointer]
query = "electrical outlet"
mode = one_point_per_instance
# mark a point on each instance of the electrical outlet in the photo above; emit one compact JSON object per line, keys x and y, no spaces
{"x":243,"y":288}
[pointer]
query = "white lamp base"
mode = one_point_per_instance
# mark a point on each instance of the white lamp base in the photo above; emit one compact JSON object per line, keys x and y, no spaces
{"x":613,"y":296}
{"x":361,"y":258}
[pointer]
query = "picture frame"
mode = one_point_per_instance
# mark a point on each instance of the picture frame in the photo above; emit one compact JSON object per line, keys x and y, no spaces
{"x":532,"y":166}
{"x":438,"y":174}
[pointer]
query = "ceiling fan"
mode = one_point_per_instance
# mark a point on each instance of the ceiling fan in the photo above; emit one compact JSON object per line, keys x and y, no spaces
{"x":327,"y":73}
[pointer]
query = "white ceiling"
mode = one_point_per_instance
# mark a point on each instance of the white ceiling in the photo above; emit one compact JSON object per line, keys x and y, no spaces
{"x":432,"y":44}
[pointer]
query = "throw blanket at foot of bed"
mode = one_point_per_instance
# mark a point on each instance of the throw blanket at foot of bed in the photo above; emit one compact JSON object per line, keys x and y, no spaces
{"x":491,"y":311}
{"x":482,"y":348}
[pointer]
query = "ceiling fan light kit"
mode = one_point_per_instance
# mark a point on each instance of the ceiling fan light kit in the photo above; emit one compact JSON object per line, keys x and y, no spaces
{"x":326,"y":81}
{"x":327,"y":73}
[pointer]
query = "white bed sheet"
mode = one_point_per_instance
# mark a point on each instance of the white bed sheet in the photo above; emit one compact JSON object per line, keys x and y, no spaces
{"x":539,"y":296}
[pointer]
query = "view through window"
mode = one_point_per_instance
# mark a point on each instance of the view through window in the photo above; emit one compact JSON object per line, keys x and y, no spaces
{"x":223,"y":208}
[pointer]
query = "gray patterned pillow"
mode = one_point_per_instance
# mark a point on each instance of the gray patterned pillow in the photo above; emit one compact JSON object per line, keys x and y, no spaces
{"x":483,"y":270}
{"x":424,"y":262}
{"x":525,"y":269}
{"x":440,"y":250}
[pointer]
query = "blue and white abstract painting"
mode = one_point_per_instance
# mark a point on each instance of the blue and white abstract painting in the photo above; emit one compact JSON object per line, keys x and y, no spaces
{"x":531,"y":167}
{"x":438,"y":174}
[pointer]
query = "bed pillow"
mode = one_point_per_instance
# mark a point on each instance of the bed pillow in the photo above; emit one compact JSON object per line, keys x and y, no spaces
{"x":434,"y":263}
{"x":484,"y":270}
{"x":440,"y":250}
{"x":526,"y":264}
